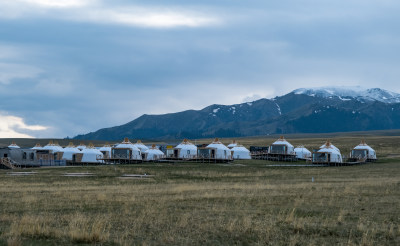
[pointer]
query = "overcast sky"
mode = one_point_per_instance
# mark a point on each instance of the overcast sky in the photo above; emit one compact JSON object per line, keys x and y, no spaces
{"x":74,"y":66}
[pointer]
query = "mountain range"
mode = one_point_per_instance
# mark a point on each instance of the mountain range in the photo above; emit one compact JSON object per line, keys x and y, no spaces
{"x":304,"y":110}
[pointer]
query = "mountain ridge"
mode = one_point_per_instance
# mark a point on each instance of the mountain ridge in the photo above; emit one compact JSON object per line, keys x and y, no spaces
{"x":300,"y":111}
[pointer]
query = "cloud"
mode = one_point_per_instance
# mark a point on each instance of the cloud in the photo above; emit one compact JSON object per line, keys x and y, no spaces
{"x":12,"y":71}
{"x":15,"y":127}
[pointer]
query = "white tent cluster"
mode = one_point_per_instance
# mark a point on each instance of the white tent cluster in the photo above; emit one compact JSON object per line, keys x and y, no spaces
{"x":281,"y":146}
{"x":126,"y":150}
{"x":186,"y":150}
{"x":219,"y":150}
{"x":239,"y":152}
{"x":153,"y":153}
{"x":328,"y":153}
{"x":70,"y":151}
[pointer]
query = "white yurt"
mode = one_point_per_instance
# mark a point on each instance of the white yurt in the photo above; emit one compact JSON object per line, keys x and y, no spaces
{"x":219,"y":150}
{"x":106,"y":150}
{"x":302,"y":153}
{"x":13,"y":145}
{"x":240,"y":152}
{"x":281,"y":146}
{"x":143,"y":148}
{"x":126,"y":150}
{"x":154,"y":153}
{"x":233,"y":144}
{"x":362,"y":151}
{"x":81,"y":146}
{"x":69,"y":152}
{"x":186,"y":150}
{"x":37,"y":147}
{"x":52,"y":147}
{"x":91,"y":155}
{"x":328,"y":154}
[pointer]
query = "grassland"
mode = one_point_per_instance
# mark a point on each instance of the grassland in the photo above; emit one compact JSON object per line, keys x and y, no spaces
{"x":243,"y":203}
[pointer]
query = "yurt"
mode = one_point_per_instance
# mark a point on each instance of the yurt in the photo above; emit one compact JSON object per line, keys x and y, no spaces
{"x":69,"y":152}
{"x":233,"y":144}
{"x":143,"y":148}
{"x":81,"y":146}
{"x":185,"y":150}
{"x":363,"y":151}
{"x":328,"y":154}
{"x":281,"y":146}
{"x":13,"y":145}
{"x":153,"y":154}
{"x":37,"y":147}
{"x":219,"y":151}
{"x":52,"y":147}
{"x":106,"y":150}
{"x":126,"y":150}
{"x":302,"y":153}
{"x":91,"y":155}
{"x":240,"y":152}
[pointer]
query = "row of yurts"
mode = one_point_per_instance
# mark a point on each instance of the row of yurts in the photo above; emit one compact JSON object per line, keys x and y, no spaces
{"x":187,"y":150}
{"x":139,"y":151}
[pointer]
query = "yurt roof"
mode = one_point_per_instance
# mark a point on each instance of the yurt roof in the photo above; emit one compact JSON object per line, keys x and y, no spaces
{"x":53,"y":147}
{"x":330,"y":144}
{"x":240,"y":148}
{"x":91,"y":149}
{"x":217,"y":145}
{"x":71,"y":148}
{"x":140,"y":145}
{"x":186,"y":144}
{"x":363,"y":145}
{"x":37,"y":146}
{"x":302,"y":149}
{"x":233,"y":144}
{"x":282,"y":141}
{"x":154,"y":150}
{"x":81,"y":146}
{"x":106,"y":147}
{"x":126,"y":144}
{"x":13,"y":145}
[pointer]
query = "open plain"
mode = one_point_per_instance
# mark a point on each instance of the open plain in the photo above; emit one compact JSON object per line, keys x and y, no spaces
{"x":243,"y":203}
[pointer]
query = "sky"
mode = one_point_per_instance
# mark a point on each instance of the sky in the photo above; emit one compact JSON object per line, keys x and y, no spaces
{"x":70,"y":67}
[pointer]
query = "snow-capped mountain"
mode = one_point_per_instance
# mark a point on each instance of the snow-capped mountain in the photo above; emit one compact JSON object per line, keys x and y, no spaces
{"x":347,"y":93}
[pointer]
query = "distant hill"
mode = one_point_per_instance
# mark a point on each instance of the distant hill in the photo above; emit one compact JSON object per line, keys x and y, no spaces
{"x":314,"y":110}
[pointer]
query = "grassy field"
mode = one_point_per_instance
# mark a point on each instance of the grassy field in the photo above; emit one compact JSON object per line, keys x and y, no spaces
{"x":244,"y":203}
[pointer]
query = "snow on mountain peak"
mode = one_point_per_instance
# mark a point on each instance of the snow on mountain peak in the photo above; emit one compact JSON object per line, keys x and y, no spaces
{"x":355,"y":92}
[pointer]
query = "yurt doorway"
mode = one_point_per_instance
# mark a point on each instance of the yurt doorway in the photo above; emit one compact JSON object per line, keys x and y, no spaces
{"x":176,"y":153}
{"x":329,"y":158}
{"x":213,"y":153}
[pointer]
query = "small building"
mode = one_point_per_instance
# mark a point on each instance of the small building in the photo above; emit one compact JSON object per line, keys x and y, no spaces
{"x":69,"y":152}
{"x":216,"y":150}
{"x":239,"y":152}
{"x":363,"y":152}
{"x":153,"y":154}
{"x":106,"y":150}
{"x":91,"y":155}
{"x":282,"y":147}
{"x":185,"y":150}
{"x":327,"y":155}
{"x":126,"y":151}
{"x":302,"y":153}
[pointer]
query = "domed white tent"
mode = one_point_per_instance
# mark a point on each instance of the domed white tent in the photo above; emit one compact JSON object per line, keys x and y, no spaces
{"x":126,"y":150}
{"x":143,"y":148}
{"x":154,"y":153}
{"x":92,"y":155}
{"x":302,"y":153}
{"x":281,"y":146}
{"x":69,"y":152}
{"x":13,"y":145}
{"x":219,"y":151}
{"x":81,"y":146}
{"x":363,"y":151}
{"x":233,"y":144}
{"x":37,"y":147}
{"x":106,"y":150}
{"x":240,"y":152}
{"x":52,"y":147}
{"x":185,"y":150}
{"x":327,"y":155}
